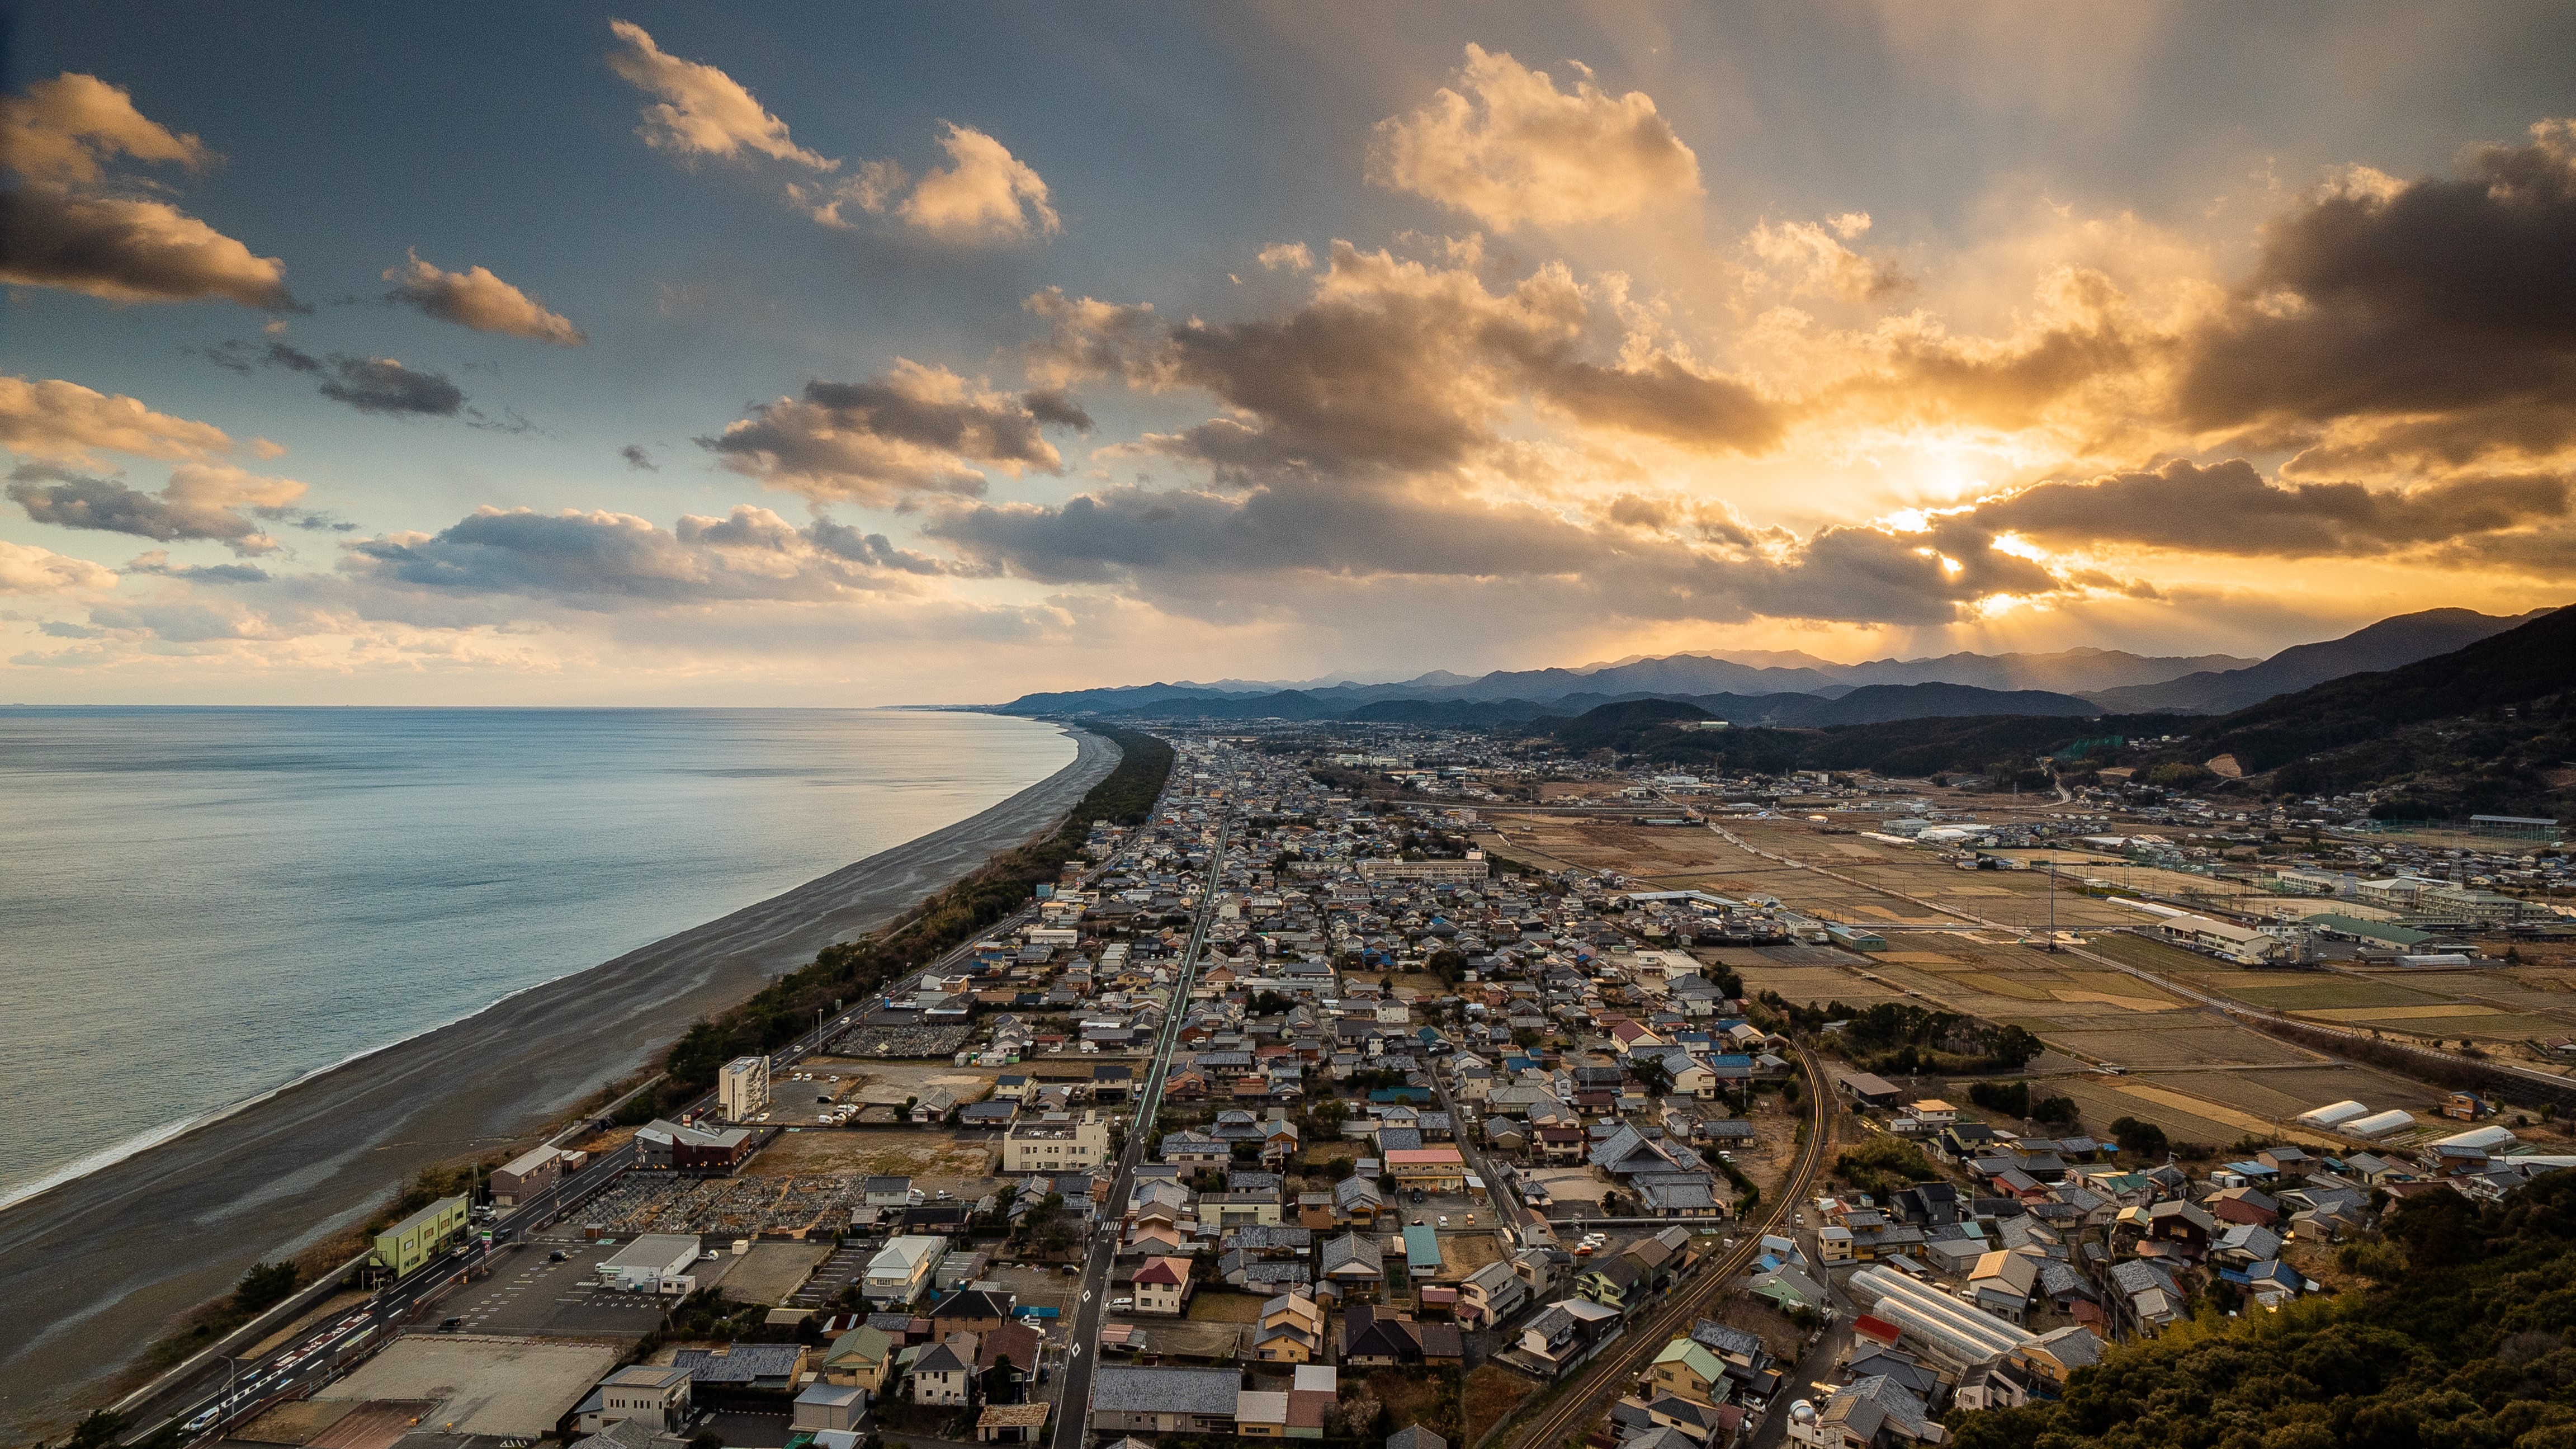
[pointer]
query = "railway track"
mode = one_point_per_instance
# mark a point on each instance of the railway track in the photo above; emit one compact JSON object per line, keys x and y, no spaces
{"x":1642,"y":1340}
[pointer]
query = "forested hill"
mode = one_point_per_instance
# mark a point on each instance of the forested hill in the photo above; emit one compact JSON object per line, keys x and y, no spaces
{"x":2513,"y":668}
{"x":2467,"y":1337}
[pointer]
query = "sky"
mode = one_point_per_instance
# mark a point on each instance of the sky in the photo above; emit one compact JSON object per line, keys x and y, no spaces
{"x":682,"y":354}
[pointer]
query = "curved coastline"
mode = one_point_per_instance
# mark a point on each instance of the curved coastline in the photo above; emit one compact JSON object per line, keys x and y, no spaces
{"x":97,"y":1265}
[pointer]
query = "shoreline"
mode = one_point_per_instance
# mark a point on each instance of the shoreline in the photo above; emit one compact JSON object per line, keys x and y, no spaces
{"x":98,"y":1266}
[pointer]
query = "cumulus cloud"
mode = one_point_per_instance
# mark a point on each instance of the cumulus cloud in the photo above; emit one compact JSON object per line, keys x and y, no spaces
{"x":1287,"y":256}
{"x":603,"y":561}
{"x":699,"y":110}
{"x":2379,"y":298}
{"x":65,"y":128}
{"x":1812,"y":259}
{"x":1396,"y":364}
{"x":476,"y":298}
{"x":63,"y":421}
{"x":27,"y":569}
{"x":69,"y":224}
{"x":911,"y":429}
{"x":129,"y":250}
{"x":985,"y":195}
{"x":1509,"y":148}
{"x":201,"y":502}
{"x":2229,"y":508}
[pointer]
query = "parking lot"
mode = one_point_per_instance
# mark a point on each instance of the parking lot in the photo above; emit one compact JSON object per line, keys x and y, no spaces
{"x":529,"y":1296}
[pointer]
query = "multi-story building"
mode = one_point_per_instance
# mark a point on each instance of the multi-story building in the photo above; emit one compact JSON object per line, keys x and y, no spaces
{"x":1056,"y":1142}
{"x":657,"y":1396}
{"x":742,"y":1089}
{"x":416,"y":1239}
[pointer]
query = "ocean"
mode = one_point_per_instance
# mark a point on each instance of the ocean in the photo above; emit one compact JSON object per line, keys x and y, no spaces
{"x":199,"y":906}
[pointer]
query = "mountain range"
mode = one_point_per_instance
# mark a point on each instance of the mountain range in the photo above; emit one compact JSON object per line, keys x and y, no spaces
{"x":1790,"y":688}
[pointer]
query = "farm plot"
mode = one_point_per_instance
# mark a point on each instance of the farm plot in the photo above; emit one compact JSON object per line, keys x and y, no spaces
{"x":1819,"y":984}
{"x":2145,"y":1042}
{"x":2102,"y":1104}
{"x":2317,"y":996}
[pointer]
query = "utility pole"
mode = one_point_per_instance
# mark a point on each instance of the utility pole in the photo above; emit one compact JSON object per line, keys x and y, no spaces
{"x":2052,"y":901}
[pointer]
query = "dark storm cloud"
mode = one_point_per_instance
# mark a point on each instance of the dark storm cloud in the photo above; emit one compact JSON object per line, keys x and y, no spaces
{"x":639,"y":460}
{"x":2229,"y":508}
{"x":2434,"y":296}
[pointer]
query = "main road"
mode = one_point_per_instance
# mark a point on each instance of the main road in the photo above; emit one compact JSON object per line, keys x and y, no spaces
{"x":1073,"y":1392}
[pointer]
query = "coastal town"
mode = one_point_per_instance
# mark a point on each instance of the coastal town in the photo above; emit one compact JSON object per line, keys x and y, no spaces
{"x":1407,"y":1087}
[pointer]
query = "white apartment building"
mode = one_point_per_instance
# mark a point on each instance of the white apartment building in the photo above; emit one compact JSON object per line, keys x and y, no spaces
{"x":742,"y":1090}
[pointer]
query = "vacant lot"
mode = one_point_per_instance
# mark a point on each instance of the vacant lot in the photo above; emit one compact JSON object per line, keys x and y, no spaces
{"x":932,"y":1159}
{"x":499,"y":1386}
{"x":1464,"y":1253}
{"x":1219,"y":1306}
{"x":771,"y":1271}
{"x":1491,"y":1394}
{"x":1428,"y":1397}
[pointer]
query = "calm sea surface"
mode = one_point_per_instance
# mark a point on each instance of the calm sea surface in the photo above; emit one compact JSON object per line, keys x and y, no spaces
{"x":200,"y":905}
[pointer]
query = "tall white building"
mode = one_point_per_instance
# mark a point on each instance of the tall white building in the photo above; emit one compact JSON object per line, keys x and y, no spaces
{"x":742,"y":1091}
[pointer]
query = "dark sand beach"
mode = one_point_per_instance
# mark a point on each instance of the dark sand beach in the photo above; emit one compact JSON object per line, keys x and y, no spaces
{"x":95,"y":1270}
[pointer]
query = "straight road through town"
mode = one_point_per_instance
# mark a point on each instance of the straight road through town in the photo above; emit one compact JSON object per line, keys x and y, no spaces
{"x":1073,"y":1397}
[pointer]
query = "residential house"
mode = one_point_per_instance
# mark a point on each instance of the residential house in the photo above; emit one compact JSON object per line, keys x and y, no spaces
{"x":972,"y":1310}
{"x":862,"y":1357}
{"x":1689,"y":1370}
{"x":656,"y":1396}
{"x":944,"y":1373}
{"x":1290,"y":1329}
{"x":1163,"y":1286}
{"x":901,"y":1269}
{"x":1491,"y":1294}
